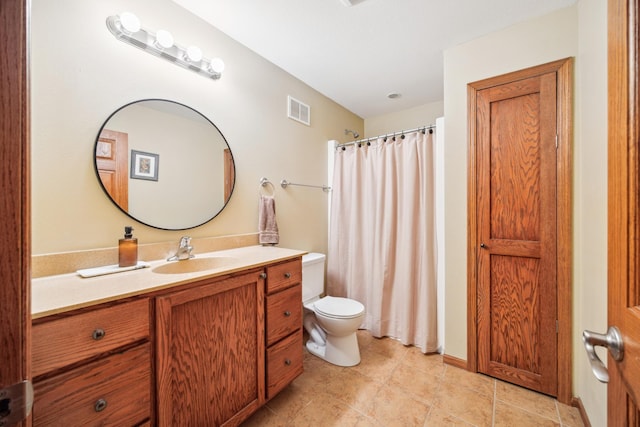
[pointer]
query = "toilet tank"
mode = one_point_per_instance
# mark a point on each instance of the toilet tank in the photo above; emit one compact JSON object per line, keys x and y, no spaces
{"x":312,"y":276}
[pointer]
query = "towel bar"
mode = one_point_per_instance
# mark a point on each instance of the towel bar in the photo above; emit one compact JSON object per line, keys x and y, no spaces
{"x":284,"y":183}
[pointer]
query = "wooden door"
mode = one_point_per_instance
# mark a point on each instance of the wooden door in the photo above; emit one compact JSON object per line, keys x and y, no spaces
{"x":516,"y":224}
{"x":516,"y":229}
{"x":210,"y":352}
{"x":112,"y":159}
{"x":229,"y":174}
{"x":624,"y":211}
{"x":15,"y":250}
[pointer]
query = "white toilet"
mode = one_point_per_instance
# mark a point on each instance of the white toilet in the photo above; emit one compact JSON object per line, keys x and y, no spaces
{"x":331,"y":322}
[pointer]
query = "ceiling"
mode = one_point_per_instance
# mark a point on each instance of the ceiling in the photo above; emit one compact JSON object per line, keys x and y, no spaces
{"x":357,"y":55}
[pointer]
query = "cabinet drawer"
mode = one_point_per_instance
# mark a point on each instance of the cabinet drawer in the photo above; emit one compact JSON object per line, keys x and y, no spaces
{"x":71,"y":339}
{"x":284,"y":313}
{"x":284,"y":363}
{"x":115,"y":390}
{"x":284,"y":275}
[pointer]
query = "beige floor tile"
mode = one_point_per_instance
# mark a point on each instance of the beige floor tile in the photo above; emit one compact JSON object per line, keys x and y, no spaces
{"x":569,"y":416}
{"x":431,"y":364}
{"x":422,"y":386}
{"x":438,"y":417}
{"x":317,"y":373}
{"x":290,"y":401}
{"x":472,"y":406}
{"x":264,"y":417}
{"x":376,"y":365}
{"x":354,"y":389}
{"x":324,"y":410}
{"x":392,"y":407}
{"x":364,"y":338}
{"x":395,"y":385}
{"x":388,"y":347}
{"x":470,"y":380}
{"x":528,"y":400}
{"x":509,"y":416}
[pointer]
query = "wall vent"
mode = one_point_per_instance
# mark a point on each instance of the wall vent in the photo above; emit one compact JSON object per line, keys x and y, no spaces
{"x":298,"y":111}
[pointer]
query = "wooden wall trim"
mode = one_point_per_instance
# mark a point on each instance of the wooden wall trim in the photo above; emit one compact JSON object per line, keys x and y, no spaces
{"x":472,"y":234}
{"x":454,"y":361}
{"x":564,"y":70}
{"x":15,"y":251}
{"x":565,"y":230}
{"x":577,"y":403}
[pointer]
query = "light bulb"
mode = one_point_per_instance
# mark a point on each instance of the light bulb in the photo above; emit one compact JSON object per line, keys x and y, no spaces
{"x":217,"y":65}
{"x":129,"y":22}
{"x":164,"y":39}
{"x":194,"y":54}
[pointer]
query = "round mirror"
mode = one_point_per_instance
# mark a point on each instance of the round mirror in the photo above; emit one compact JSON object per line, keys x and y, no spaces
{"x":164,"y":164}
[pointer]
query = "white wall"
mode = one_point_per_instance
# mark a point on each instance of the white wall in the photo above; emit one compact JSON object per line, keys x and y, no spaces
{"x":80,"y":74}
{"x":580,"y":32}
{"x":411,"y":118}
{"x":590,"y":201}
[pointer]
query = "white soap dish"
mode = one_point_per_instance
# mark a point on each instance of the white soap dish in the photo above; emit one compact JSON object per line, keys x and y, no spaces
{"x":110,"y":269}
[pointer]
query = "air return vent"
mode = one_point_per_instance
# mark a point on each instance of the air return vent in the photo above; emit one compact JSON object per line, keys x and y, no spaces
{"x":298,"y":111}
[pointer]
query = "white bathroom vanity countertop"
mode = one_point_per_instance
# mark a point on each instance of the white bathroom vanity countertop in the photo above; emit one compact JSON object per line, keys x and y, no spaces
{"x":65,"y":292}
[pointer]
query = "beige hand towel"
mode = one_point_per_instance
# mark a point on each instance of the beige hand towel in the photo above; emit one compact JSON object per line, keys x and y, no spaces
{"x":267,"y":227}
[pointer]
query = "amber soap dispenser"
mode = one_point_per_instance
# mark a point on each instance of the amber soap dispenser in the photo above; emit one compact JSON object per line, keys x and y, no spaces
{"x":128,"y":249}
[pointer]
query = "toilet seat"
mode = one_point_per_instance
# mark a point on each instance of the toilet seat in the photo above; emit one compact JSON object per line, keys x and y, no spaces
{"x":338,"y":308}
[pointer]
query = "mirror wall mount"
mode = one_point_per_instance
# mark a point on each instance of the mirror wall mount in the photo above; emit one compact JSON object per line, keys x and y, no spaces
{"x":126,"y":28}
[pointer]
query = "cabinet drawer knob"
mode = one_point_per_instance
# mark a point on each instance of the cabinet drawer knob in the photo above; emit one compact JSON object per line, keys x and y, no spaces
{"x":287,"y":275}
{"x":100,"y":405}
{"x":287,"y":313}
{"x":98,"y":334}
{"x":263,"y":275}
{"x":287,"y":362}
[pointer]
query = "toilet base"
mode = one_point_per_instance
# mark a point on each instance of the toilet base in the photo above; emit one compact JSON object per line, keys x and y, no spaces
{"x":340,"y":351}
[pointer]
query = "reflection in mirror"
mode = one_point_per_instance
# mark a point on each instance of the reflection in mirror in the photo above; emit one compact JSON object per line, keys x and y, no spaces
{"x":164,"y":164}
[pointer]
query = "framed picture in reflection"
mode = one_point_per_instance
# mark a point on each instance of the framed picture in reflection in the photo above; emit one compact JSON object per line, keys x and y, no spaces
{"x":144,"y":165}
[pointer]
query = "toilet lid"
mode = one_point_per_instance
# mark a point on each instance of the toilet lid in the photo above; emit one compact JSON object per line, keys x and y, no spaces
{"x":339,"y":307}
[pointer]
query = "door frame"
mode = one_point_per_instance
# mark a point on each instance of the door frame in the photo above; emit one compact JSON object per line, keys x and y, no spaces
{"x":15,"y":252}
{"x":564,"y":72}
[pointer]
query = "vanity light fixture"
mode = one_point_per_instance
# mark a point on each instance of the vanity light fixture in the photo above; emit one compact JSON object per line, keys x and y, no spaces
{"x":126,"y":27}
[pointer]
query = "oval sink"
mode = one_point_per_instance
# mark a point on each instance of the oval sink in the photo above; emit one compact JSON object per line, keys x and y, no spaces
{"x":193,"y":265}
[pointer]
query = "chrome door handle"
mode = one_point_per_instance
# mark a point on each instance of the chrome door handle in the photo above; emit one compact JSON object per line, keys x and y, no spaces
{"x":612,"y":341}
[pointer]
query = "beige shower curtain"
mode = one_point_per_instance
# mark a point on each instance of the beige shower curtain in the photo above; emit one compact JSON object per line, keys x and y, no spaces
{"x":382,"y":241}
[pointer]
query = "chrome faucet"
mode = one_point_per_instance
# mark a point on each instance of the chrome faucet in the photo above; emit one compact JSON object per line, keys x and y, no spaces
{"x":184,"y":250}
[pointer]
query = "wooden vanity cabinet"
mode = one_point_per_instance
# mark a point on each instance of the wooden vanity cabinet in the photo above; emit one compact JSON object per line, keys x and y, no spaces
{"x":93,"y":367}
{"x":210,"y":352}
{"x":216,"y":350}
{"x":284,"y":325}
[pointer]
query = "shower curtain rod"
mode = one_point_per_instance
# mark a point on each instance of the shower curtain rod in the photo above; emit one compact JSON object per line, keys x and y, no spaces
{"x":430,"y":128}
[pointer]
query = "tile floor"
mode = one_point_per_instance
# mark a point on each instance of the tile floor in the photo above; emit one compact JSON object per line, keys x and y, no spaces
{"x":396,"y":385}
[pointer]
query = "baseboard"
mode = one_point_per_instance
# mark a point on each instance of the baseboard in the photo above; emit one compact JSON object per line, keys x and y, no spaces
{"x":576,"y":402}
{"x":454,"y":361}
